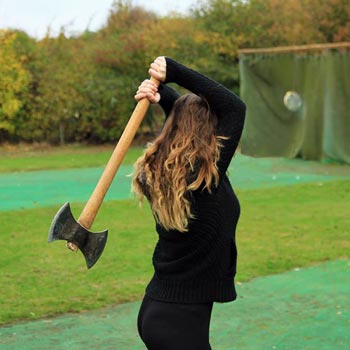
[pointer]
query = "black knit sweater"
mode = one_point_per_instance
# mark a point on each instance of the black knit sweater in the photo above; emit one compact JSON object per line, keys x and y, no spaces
{"x":200,"y":265}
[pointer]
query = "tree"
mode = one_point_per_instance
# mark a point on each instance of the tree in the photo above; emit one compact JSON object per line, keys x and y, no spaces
{"x":59,"y":99}
{"x":13,"y":80}
{"x":331,"y":18}
{"x":25,"y":123}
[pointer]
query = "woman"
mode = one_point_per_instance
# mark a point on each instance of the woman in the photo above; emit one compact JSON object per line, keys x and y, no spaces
{"x":183,"y":176}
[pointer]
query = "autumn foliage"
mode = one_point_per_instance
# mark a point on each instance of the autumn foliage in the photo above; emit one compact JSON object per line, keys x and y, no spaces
{"x":80,"y":88}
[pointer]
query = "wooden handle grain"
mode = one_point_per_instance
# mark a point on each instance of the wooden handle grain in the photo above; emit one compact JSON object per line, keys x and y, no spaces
{"x":92,"y":206}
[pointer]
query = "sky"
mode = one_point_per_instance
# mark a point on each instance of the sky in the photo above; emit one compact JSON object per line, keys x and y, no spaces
{"x":35,"y":16}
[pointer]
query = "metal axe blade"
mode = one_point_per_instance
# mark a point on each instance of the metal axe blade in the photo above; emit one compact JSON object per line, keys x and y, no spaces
{"x":65,"y":227}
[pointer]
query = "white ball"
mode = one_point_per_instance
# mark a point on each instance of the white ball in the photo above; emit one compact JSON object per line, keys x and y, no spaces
{"x":292,"y":101}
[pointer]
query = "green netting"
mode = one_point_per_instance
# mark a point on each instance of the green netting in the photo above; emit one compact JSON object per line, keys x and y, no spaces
{"x":320,"y":129}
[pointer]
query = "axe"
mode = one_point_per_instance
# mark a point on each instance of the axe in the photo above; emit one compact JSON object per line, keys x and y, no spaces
{"x":77,"y":233}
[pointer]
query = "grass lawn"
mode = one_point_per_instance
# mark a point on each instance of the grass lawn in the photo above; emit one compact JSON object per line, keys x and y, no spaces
{"x":29,"y":158}
{"x":279,"y":229}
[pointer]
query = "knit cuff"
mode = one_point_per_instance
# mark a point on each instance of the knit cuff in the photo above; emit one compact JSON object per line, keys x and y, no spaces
{"x":170,"y":70}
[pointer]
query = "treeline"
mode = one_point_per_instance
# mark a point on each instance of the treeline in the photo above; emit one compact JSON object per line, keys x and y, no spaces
{"x":80,"y":88}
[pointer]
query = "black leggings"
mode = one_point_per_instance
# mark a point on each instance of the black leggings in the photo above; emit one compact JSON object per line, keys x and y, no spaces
{"x":173,"y":326}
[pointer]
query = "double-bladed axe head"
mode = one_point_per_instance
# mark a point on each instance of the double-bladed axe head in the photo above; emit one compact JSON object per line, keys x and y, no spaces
{"x":65,"y":227}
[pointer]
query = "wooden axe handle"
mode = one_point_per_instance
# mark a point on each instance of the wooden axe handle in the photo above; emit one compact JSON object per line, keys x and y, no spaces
{"x":92,"y":206}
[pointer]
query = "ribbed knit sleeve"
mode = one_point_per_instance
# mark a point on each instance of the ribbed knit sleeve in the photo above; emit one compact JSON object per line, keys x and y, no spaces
{"x":167,"y":98}
{"x":228,"y":107}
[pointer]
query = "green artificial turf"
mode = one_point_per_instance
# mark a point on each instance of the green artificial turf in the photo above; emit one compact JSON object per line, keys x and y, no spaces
{"x":280,"y":228}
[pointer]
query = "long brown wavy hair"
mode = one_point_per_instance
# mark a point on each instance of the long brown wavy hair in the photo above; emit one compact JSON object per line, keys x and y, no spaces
{"x":180,"y":160}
